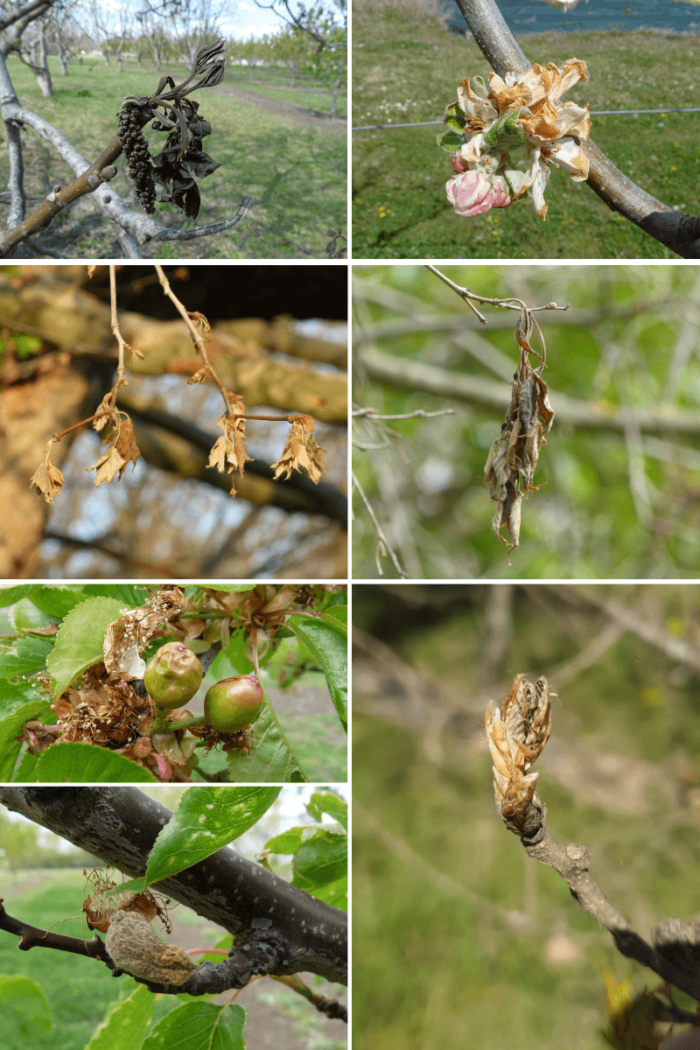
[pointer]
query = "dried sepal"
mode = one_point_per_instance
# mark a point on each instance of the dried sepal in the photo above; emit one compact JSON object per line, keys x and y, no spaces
{"x":513,"y":457}
{"x":228,"y":452}
{"x":47,"y":478}
{"x":517,"y":733}
{"x":301,"y":451}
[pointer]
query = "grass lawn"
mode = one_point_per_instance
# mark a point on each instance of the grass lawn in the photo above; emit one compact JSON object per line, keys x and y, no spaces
{"x":408,"y":70}
{"x":310,"y":99}
{"x":296,"y":173}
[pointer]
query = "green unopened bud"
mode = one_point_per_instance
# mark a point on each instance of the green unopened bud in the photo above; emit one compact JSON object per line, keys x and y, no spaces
{"x":234,"y":703}
{"x":173,"y":676}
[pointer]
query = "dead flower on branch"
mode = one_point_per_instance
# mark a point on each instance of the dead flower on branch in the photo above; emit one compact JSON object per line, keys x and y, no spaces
{"x":517,"y":733}
{"x":513,"y":457}
{"x":182,"y":157}
{"x":301,"y":451}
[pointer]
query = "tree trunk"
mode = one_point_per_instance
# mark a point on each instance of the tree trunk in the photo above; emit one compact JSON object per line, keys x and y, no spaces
{"x":120,"y":825}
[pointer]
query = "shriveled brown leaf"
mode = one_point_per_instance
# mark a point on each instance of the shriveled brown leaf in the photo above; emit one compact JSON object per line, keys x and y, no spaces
{"x":48,"y":480}
{"x":126,"y":445}
{"x":111,"y":415}
{"x":217,"y":456}
{"x":228,"y":453}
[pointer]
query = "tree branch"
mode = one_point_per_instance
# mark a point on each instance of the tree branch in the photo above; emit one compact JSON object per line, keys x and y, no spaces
{"x":278,"y":928}
{"x":680,"y":233}
{"x":457,"y":386}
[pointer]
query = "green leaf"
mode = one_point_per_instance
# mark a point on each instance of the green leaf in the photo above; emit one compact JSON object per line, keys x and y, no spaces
{"x":126,"y":593}
{"x":56,"y":601}
{"x":86,"y":764}
{"x":455,"y":118}
{"x":18,"y":704}
{"x":206,"y":819}
{"x":26,"y":656}
{"x":26,"y":614}
{"x":320,"y":860}
{"x":288,"y":842}
{"x":26,"y":770}
{"x":80,"y":640}
{"x":335,"y":893}
{"x":25,"y":1011}
{"x":199,"y":1026}
{"x":328,"y":645}
{"x":327,"y":802}
{"x":271,"y":759}
{"x":506,"y":134}
{"x":126,"y":1022}
{"x":10,"y":595}
{"x":337,"y":612}
{"x":449,"y":141}
{"x":230,"y":588}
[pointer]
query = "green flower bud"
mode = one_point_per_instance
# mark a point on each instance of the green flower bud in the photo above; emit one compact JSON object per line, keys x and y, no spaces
{"x":173,"y":676}
{"x":234,"y":703}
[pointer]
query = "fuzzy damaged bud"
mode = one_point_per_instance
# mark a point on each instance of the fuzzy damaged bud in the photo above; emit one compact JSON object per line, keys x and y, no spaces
{"x":234,"y":703}
{"x":173,"y":676}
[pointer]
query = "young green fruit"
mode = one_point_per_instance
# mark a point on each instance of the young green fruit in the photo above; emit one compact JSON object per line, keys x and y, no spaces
{"x":173,"y":676}
{"x":234,"y":703}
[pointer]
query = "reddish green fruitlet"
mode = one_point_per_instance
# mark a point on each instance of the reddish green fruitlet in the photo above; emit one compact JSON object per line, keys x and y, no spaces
{"x":234,"y":703}
{"x":173,"y":676}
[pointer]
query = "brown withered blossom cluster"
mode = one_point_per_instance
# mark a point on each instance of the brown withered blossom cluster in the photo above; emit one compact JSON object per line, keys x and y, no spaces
{"x":511,"y":463}
{"x":182,"y":159}
{"x":517,"y":732}
{"x":301,"y":451}
{"x":103,"y":708}
{"x":100,"y":903}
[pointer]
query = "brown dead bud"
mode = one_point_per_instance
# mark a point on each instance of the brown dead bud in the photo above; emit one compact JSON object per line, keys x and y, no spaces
{"x":517,"y":733}
{"x":48,"y":480}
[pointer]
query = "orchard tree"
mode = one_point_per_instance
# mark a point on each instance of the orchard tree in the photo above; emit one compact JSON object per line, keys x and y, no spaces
{"x":279,"y":929}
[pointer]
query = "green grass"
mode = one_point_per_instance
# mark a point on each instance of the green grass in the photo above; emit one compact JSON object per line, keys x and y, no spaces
{"x":295,"y":173}
{"x":443,"y":970}
{"x":406,"y":70}
{"x":310,"y":99}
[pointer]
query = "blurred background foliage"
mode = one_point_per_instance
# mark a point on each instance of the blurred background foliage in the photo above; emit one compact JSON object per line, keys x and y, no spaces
{"x":461,"y":938}
{"x":618,"y":478}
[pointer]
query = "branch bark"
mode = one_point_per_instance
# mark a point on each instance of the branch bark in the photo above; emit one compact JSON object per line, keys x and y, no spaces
{"x":680,"y":233}
{"x":457,"y":386}
{"x":274,"y":923}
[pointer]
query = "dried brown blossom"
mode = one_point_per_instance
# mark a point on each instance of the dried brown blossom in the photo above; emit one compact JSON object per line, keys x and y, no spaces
{"x":301,"y":452}
{"x":48,"y":480}
{"x":106,"y":714}
{"x":517,"y":733}
{"x":133,"y":945}
{"x":126,"y":638}
{"x":122,"y":450}
{"x":512,"y":460}
{"x":228,"y":453}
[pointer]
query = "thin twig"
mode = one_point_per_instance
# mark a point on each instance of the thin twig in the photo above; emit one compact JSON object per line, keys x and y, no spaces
{"x":196,"y":337}
{"x":418,"y":414}
{"x":383,"y":545}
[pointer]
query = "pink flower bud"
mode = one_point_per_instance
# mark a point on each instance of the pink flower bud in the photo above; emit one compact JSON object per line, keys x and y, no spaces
{"x":501,"y":194}
{"x":459,"y":165}
{"x":469,"y":193}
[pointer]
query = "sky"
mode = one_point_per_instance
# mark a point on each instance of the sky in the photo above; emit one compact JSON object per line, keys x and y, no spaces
{"x":242,"y":19}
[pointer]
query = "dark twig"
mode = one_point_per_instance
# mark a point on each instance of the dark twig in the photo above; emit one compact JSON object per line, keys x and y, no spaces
{"x":33,"y":937}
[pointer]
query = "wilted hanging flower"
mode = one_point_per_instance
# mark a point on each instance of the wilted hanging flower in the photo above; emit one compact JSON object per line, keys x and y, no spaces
{"x":510,"y":132}
{"x":301,"y":452}
{"x":47,"y":478}
{"x":230,"y":447}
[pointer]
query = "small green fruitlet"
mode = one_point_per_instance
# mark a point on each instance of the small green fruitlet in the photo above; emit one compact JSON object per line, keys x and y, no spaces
{"x":173,"y":676}
{"x":234,"y":703}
